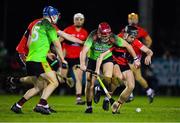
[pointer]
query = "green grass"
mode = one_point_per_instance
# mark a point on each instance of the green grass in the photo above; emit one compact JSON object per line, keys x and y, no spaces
{"x":161,"y":110}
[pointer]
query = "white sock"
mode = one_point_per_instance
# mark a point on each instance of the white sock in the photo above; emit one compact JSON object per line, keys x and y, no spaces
{"x":18,"y":105}
{"x":46,"y":106}
{"x":149,"y":91}
{"x":89,"y":106}
{"x":106,"y":98}
{"x":78,"y":98}
{"x":131,"y":95}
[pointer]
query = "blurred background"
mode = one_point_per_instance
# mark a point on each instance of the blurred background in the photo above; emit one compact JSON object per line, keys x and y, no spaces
{"x":161,"y":20}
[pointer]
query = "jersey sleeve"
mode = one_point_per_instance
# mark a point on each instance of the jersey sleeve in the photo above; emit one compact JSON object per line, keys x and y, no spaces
{"x":118,"y":41}
{"x":89,"y":40}
{"x":138,"y":43}
{"x":120,"y":34}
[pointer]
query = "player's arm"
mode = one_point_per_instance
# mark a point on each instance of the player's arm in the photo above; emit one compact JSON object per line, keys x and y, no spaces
{"x":99,"y":61}
{"x":83,"y":55}
{"x":149,"y":54}
{"x":132,"y":52}
{"x":69,"y":37}
{"x":148,"y":41}
{"x":87,"y":45}
{"x":59,"y":51}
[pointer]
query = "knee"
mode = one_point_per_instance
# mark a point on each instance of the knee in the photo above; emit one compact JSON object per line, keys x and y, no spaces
{"x":131,"y":87}
{"x":38,"y":89}
{"x":56,"y":84}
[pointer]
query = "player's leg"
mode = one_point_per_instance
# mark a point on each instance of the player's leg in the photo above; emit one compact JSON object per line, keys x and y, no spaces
{"x":107,"y":66}
{"x":78,"y":76}
{"x":30,"y":93}
{"x":89,"y":92}
{"x":138,"y":76}
{"x":89,"y":88}
{"x":129,"y":83}
{"x":53,"y":83}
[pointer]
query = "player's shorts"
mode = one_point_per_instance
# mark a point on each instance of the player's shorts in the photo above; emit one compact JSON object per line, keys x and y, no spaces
{"x":92,"y":63}
{"x":55,"y":64}
{"x":37,"y":68}
{"x":123,"y":67}
{"x":72,"y":61}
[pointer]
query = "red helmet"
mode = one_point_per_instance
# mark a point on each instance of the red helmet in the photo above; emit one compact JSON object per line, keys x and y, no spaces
{"x":104,"y":28}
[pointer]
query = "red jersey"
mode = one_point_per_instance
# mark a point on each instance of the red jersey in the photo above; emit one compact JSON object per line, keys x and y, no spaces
{"x":142,"y":33}
{"x":121,"y":55}
{"x":73,"y":49}
{"x":22,"y":46}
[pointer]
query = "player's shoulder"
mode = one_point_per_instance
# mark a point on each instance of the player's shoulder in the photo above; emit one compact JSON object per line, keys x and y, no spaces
{"x":47,"y":25}
{"x":137,"y":42}
{"x":71,"y":27}
{"x":140,"y":28}
{"x":83,"y":30}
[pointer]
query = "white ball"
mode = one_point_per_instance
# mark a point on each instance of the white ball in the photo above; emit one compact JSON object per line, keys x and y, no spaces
{"x":138,"y":109}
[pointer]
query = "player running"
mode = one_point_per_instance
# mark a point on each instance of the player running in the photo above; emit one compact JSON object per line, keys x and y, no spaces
{"x":144,"y":37}
{"x":137,"y":72}
{"x":41,"y":36}
{"x":121,"y":67}
{"x":72,"y":52}
{"x":99,"y":41}
{"x":22,"y":51}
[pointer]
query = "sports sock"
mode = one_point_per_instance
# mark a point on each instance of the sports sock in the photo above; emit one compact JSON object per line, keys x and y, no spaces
{"x":43,"y":102}
{"x":89,"y":103}
{"x":78,"y":96}
{"x":21,"y":101}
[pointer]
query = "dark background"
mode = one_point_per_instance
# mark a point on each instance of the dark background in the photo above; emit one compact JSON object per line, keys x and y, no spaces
{"x":159,"y":17}
{"x":16,"y":15}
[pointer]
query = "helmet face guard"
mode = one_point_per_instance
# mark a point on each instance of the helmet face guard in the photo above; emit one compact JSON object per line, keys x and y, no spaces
{"x":131,"y":30}
{"x":104,"y":31}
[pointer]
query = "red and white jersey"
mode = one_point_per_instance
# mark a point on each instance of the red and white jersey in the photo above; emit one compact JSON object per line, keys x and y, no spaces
{"x":121,"y":55}
{"x":73,"y":49}
{"x":22,"y":46}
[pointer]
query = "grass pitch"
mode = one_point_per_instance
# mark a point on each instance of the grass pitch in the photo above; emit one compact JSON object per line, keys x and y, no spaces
{"x":163,"y":109}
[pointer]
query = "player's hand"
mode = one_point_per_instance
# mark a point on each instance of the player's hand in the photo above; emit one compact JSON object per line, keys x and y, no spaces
{"x":83,"y":67}
{"x":97,"y":72}
{"x":147,"y":60}
{"x":137,"y":63}
{"x":64,"y":62}
{"x":51,"y":56}
{"x":22,"y":56}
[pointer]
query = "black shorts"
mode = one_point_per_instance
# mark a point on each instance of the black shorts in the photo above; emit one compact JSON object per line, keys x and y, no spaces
{"x":72,"y":61}
{"x":37,"y":68}
{"x":55,"y":64}
{"x":92,"y":63}
{"x":123,"y":67}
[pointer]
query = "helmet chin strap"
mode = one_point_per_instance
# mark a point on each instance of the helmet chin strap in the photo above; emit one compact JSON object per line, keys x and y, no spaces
{"x":51,"y":19}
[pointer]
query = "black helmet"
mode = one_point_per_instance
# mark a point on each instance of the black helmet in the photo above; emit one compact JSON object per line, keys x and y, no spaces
{"x":131,"y":30}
